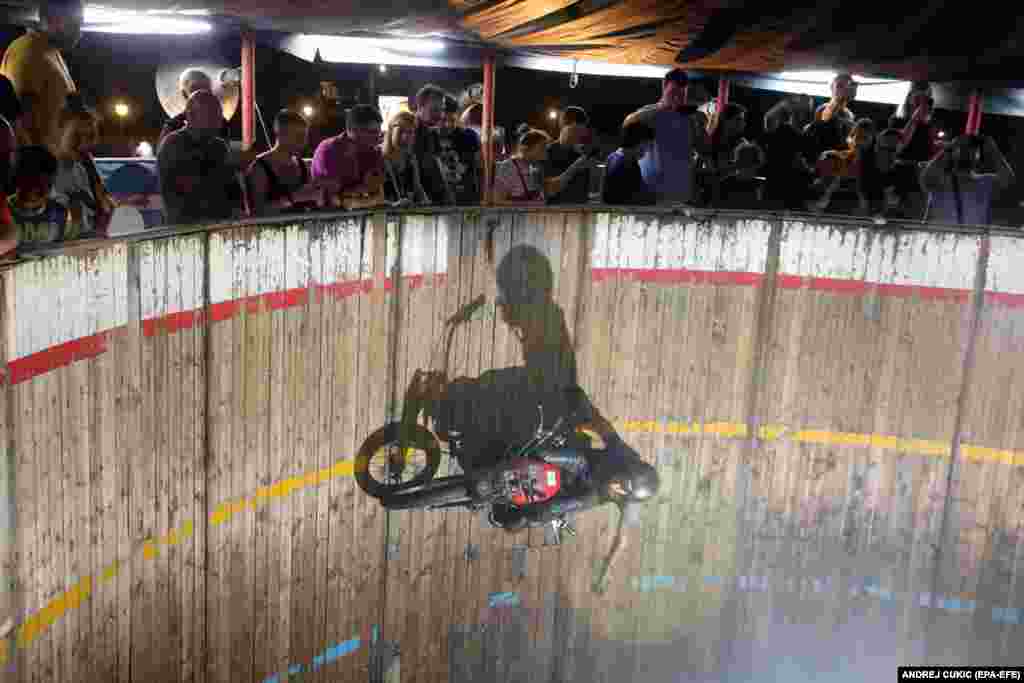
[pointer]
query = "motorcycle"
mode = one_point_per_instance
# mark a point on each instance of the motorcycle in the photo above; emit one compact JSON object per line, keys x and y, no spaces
{"x":397,"y":463}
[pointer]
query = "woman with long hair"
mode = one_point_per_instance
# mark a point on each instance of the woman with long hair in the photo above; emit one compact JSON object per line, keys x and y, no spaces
{"x":402,"y":183}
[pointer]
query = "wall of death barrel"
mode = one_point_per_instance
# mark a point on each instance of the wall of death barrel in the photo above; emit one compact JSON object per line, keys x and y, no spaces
{"x":856,"y":411}
{"x":299,"y":372}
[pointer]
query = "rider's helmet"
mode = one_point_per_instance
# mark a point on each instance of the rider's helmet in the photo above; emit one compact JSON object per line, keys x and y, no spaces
{"x":638,"y":484}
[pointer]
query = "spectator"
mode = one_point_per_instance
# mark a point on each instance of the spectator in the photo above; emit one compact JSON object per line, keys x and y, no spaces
{"x":429,"y":115}
{"x":402,"y":185}
{"x":726,"y":138}
{"x":459,"y":156}
{"x":37,"y":219}
{"x":473,"y":119}
{"x":10,"y":117}
{"x":833,"y":120}
{"x":788,"y":176}
{"x":893,"y":176}
{"x":963,"y":180}
{"x":919,"y":136}
{"x":623,"y":180}
{"x":857,"y":162}
{"x":37,"y":70}
{"x":680,"y":132}
{"x":351,"y":166}
{"x":739,"y":184}
{"x":198,"y":182}
{"x":573,"y":143}
{"x":190,"y":81}
{"x":519,"y":179}
{"x":279,"y":180}
{"x":78,"y":186}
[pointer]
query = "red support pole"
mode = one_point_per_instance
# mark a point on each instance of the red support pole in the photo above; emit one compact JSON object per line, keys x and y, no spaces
{"x":973,"y":114}
{"x":723,"y":94}
{"x":487,"y":129}
{"x":248,"y":90}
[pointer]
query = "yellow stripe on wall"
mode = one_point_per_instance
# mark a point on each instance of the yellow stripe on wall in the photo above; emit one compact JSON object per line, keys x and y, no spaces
{"x":737,"y":430}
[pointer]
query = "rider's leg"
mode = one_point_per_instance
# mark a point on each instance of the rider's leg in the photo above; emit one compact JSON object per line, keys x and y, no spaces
{"x":571,"y":460}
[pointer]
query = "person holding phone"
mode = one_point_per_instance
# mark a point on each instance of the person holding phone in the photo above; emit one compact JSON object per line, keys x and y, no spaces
{"x":574,"y":143}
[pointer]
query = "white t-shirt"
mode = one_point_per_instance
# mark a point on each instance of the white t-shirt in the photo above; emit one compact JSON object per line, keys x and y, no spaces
{"x":72,"y":185}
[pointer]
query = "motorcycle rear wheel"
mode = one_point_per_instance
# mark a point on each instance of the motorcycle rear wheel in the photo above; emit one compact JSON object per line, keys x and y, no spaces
{"x":387,"y":439}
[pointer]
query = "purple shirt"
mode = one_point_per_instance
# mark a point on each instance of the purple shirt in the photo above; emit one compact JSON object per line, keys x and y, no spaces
{"x":341,"y":160}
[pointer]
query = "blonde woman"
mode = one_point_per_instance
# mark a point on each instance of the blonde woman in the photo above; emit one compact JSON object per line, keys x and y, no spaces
{"x":402,"y":184}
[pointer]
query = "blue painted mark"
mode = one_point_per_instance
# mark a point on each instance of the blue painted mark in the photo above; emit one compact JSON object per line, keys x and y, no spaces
{"x":506,"y":599}
{"x":713,"y":580}
{"x":326,"y":657}
{"x":1006,"y":615}
{"x":342,"y":649}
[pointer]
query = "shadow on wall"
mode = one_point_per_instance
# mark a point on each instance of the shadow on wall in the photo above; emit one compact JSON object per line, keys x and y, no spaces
{"x":498,"y":409}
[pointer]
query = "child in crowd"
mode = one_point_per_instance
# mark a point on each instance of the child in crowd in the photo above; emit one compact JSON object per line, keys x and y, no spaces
{"x":623,"y":179}
{"x":37,"y":219}
{"x":78,"y":186}
{"x":856,"y":162}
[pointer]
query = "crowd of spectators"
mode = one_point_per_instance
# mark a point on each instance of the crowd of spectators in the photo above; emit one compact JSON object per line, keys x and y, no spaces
{"x":671,"y":152}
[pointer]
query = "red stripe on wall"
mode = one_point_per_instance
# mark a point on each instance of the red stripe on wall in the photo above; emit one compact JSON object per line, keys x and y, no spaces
{"x":26,"y":368}
{"x":677,"y":276}
{"x":36,"y":364}
{"x":1003,"y":299}
{"x":836,"y":286}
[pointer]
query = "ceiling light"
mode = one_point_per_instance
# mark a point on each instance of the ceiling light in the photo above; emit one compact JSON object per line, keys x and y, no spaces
{"x":152,"y":26}
{"x":102,"y":19}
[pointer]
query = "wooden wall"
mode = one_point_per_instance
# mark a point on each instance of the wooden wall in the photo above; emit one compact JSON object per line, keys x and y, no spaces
{"x":835,"y":413}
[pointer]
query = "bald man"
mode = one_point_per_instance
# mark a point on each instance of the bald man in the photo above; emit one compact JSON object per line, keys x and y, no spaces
{"x":190,"y":81}
{"x":198,"y":177}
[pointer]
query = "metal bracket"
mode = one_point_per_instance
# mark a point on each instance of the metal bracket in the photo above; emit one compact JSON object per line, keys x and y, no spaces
{"x":472,"y":552}
{"x":519,"y":561}
{"x":393,"y":551}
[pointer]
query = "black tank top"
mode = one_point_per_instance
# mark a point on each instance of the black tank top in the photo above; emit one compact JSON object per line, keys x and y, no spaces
{"x":276,"y":190}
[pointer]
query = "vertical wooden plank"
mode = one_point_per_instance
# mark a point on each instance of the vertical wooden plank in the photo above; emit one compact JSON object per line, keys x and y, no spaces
{"x":252,"y":426}
{"x":173,"y":463}
{"x":301,"y":647}
{"x":260,"y":370}
{"x":201,"y":451}
{"x":239,"y":595}
{"x":220,"y":269}
{"x":191,"y":482}
{"x":57,"y":477}
{"x":147,"y":609}
{"x":128,"y":407}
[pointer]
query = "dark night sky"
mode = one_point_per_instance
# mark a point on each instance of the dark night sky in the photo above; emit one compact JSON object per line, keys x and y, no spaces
{"x":108,"y":67}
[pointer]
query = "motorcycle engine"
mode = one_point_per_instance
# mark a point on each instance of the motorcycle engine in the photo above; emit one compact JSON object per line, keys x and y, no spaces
{"x":531,"y":481}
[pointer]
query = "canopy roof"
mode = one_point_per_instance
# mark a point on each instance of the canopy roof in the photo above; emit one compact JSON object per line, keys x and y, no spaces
{"x":932,"y":39}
